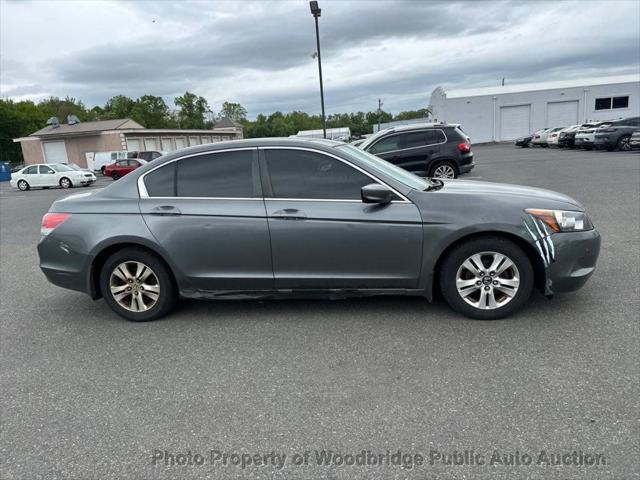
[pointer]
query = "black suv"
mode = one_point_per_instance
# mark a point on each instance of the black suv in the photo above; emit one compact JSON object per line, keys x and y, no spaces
{"x":427,"y":149}
{"x":616,"y":134}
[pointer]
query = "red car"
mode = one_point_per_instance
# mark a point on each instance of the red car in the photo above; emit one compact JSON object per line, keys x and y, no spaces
{"x":122,"y":167}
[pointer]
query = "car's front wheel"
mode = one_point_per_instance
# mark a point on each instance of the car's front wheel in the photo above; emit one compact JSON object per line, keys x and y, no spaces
{"x":486,"y":278}
{"x":115,"y":175}
{"x":137,"y":285}
{"x":444,"y":170}
{"x":65,"y":183}
{"x":23,"y":185}
{"x":624,"y":143}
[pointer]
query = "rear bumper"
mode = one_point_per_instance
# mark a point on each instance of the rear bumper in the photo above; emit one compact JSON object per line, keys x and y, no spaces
{"x":576,"y":254}
{"x":63,"y":266}
{"x":467,"y":168}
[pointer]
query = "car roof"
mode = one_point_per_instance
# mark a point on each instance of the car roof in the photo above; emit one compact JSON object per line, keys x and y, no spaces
{"x":417,"y":126}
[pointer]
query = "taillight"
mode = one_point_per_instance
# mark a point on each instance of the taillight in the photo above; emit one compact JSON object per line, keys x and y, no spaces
{"x":51,"y":221}
{"x":464,"y":147}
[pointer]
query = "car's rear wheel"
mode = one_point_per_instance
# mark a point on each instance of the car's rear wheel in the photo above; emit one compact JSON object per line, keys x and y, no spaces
{"x":486,"y":278}
{"x":444,"y":170}
{"x":115,"y":175}
{"x":624,"y":143}
{"x":65,"y":183}
{"x":137,"y":285}
{"x":23,"y":185}
{"x":102,"y":169}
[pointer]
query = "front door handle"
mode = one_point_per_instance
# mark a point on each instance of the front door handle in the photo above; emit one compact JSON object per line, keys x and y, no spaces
{"x":166,"y":210}
{"x":289,"y":214}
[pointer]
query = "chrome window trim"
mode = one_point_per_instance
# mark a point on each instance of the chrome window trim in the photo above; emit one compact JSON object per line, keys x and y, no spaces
{"x":446,"y":139}
{"x":144,"y":194}
{"x":142,"y":188}
{"x":322,"y":152}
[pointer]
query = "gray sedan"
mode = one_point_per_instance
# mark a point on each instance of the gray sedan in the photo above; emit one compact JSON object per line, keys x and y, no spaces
{"x":272,"y":218}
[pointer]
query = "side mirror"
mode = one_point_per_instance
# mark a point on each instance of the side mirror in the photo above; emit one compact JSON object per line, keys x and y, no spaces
{"x":376,"y":193}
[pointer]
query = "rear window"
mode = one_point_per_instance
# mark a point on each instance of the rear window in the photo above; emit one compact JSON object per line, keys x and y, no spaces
{"x":219,"y":175}
{"x":161,"y":182}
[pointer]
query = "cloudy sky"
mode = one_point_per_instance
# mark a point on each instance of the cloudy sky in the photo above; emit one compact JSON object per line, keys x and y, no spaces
{"x":258,"y":53}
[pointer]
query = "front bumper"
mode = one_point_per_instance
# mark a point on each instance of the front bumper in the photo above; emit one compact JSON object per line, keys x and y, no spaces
{"x":576,"y":254}
{"x":584,"y":142}
{"x":604,"y":142}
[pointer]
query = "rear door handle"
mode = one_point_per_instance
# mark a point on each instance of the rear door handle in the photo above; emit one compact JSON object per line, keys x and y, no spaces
{"x":289,"y":214}
{"x":166,"y":210}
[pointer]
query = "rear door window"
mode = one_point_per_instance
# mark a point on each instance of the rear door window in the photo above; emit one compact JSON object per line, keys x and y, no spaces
{"x":413,"y":139}
{"x":216,"y":175}
{"x":31,"y":170}
{"x":435,"y":136}
{"x":161,"y":182}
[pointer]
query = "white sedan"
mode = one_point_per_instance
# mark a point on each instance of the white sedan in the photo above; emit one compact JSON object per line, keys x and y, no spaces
{"x":50,"y":175}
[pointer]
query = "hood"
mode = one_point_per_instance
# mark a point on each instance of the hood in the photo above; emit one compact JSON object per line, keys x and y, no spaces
{"x":489,"y":189}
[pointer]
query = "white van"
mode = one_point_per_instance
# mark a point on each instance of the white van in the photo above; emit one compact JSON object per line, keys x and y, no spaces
{"x":102,"y":159}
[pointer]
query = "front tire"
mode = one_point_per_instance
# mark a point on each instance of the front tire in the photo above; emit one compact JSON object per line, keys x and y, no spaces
{"x":137,"y":285}
{"x":486,"y":278}
{"x":624,"y":143}
{"x":65,"y":183}
{"x":115,"y":176}
{"x":444,"y":170}
{"x":23,"y":185}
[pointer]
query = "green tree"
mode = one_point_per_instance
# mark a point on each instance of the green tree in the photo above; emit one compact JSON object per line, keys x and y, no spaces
{"x":412,"y":114}
{"x":56,"y":107}
{"x":192,"y":111}
{"x":151,"y":112}
{"x":119,"y":106}
{"x":234,"y":111}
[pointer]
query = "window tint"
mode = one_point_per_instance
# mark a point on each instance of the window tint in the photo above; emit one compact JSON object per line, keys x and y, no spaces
{"x":386,"y":144}
{"x":31,"y":170}
{"x":161,"y":182}
{"x":413,"y":139}
{"x":620,"y":102}
{"x":224,"y":174}
{"x":46,"y":170}
{"x":303,"y":174}
{"x":435,"y":136}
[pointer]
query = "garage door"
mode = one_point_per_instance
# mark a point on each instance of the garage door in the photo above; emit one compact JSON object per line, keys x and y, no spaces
{"x":561,"y":114}
{"x":515,"y":121}
{"x":55,"y":152}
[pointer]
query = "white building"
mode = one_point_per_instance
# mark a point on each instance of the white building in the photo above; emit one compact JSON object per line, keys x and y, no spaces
{"x":510,"y":111}
{"x":342,"y":133}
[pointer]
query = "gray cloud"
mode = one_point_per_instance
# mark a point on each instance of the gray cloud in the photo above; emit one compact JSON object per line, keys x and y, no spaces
{"x":258,"y":53}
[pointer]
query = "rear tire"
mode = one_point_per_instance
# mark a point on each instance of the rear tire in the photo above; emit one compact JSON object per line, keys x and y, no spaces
{"x":137,"y":285}
{"x":23,"y":185}
{"x":475,"y":293}
{"x":102,"y":170}
{"x":444,"y":169}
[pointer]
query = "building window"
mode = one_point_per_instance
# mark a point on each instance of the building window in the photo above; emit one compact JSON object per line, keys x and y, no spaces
{"x":607,"y":103}
{"x":621,"y":102}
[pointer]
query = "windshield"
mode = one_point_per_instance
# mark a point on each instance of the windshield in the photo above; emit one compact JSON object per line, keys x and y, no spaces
{"x":61,"y":168}
{"x":386,"y":168}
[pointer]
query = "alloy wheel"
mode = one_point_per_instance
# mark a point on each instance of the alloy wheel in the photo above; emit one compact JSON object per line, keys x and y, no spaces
{"x":134,"y":286}
{"x":444,"y":171}
{"x":65,"y":183}
{"x":488,"y":280}
{"x":22,"y":185}
{"x":625,"y":144}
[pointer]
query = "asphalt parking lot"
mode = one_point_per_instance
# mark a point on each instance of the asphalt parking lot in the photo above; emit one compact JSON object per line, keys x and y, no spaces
{"x":87,"y":395}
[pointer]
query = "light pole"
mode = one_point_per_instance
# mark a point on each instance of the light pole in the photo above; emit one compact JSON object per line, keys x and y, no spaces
{"x":315,"y":11}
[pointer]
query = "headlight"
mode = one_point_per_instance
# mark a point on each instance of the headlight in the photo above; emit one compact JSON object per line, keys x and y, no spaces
{"x":562,"y":220}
